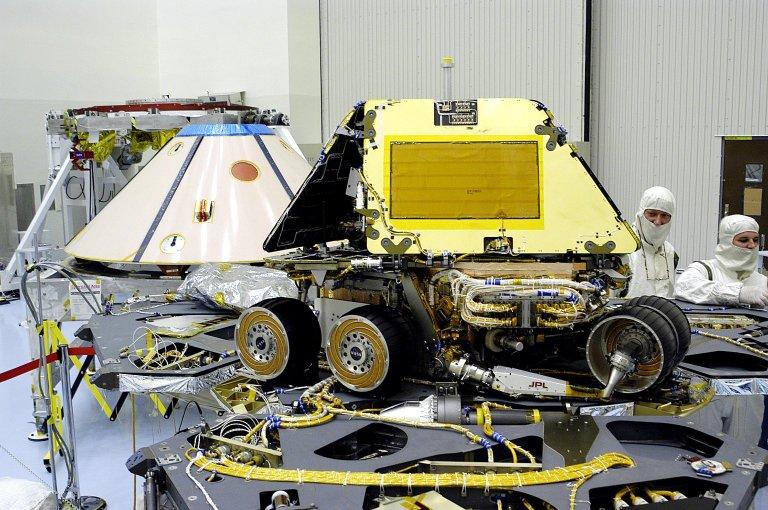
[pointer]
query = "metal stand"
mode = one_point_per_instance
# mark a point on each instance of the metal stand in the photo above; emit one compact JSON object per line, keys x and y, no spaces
{"x":92,"y":503}
{"x":46,"y":389}
{"x":81,"y":502}
{"x":57,"y":412}
{"x":59,"y":421}
{"x":69,"y":420}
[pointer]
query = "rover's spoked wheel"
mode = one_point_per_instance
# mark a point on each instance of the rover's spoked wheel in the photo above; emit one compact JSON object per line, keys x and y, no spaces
{"x":262,"y":342}
{"x":278,"y":339}
{"x":631,"y":350}
{"x":364,"y":348}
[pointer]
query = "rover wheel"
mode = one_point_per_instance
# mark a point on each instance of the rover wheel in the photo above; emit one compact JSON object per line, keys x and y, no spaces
{"x":676,"y":317}
{"x":279,"y":339}
{"x":365,"y":348}
{"x":631,"y":349}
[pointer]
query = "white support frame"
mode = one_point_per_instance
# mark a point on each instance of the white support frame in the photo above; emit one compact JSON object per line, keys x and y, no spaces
{"x":55,"y":180}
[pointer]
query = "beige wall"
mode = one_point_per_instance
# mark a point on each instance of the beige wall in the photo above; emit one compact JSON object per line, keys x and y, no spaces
{"x":269,"y":49}
{"x":49,"y":61}
{"x":393,"y":48}
{"x":146,"y":48}
{"x":669,"y":79}
{"x":225,"y":46}
{"x":304,"y":74}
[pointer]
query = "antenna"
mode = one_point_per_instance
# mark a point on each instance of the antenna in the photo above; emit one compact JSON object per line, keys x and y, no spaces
{"x":447,"y":64}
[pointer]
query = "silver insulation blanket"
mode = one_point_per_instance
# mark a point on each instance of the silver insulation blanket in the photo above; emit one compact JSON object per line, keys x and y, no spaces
{"x":185,"y":385}
{"x":21,"y":494}
{"x":236,"y":286}
{"x":741,"y":386}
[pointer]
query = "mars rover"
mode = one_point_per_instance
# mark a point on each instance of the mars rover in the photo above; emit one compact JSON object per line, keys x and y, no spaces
{"x":478,"y":245}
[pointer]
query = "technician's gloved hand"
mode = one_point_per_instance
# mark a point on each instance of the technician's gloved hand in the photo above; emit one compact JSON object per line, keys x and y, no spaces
{"x":756,"y":296}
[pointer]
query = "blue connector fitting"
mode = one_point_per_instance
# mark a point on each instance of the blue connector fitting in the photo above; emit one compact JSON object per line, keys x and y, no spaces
{"x":273,"y":421}
{"x":498,"y":437}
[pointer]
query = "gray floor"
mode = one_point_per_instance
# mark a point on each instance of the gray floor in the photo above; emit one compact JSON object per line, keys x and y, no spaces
{"x":103,"y":446}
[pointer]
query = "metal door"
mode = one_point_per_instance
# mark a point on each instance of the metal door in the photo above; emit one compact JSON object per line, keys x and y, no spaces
{"x":745,"y":178}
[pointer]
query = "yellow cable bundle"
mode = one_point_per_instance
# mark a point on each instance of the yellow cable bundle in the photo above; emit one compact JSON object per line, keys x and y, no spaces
{"x":488,"y":430}
{"x":323,"y":413}
{"x":307,"y":423}
{"x":102,"y":148}
{"x":578,"y":473}
{"x":559,"y":309}
{"x":318,"y":417}
{"x":140,"y":141}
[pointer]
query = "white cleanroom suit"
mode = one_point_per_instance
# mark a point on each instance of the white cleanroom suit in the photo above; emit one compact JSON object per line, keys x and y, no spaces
{"x":653,"y":265}
{"x":731,"y":278}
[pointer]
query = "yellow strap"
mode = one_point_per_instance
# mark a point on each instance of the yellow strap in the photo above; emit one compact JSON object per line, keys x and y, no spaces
{"x":161,"y":408}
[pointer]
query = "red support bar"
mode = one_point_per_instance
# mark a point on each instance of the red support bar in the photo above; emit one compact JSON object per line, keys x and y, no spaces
{"x":35,"y":363}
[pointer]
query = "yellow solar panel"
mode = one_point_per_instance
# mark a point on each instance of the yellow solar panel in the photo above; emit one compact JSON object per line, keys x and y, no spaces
{"x":464,"y":180}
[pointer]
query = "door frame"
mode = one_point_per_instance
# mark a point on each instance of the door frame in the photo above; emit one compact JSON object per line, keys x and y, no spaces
{"x":723,"y":139}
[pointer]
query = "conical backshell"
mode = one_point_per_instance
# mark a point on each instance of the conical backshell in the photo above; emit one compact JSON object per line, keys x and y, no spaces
{"x":211,"y":194}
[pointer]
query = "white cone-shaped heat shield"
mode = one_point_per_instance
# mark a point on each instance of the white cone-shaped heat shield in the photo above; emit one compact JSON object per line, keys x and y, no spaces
{"x":211,"y":194}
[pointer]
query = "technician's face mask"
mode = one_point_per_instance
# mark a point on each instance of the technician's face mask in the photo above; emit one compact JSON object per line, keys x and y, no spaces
{"x":736,"y":258}
{"x":740,"y":260}
{"x":653,"y":234}
{"x":657,"y":199}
